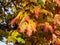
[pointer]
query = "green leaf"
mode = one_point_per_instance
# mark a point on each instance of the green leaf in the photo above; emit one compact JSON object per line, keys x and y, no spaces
{"x":20,"y":40}
{"x":41,"y":2}
{"x":12,"y":38}
{"x":15,"y":33}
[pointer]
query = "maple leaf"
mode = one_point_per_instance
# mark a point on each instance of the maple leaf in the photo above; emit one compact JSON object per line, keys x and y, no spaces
{"x":47,"y":27}
{"x":37,"y":11}
{"x":22,"y":21}
{"x":27,"y":18}
{"x":29,"y":31}
{"x":21,"y":31}
{"x":28,"y":27}
{"x":17,"y":17}
{"x":33,"y":25}
{"x":31,"y":28}
{"x":51,"y":29}
{"x":13,"y":21}
{"x":23,"y":27}
{"x":25,"y":3}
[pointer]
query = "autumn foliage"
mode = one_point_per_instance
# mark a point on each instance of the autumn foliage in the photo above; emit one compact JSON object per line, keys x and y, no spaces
{"x":36,"y":20}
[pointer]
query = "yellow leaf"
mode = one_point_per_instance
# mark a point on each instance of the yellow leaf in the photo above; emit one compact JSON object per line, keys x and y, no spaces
{"x":15,"y":33}
{"x":19,"y":15}
{"x":12,"y":39}
{"x":33,"y":25}
{"x":44,"y":11}
{"x":47,"y":12}
{"x":25,"y":3}
{"x":24,"y":25}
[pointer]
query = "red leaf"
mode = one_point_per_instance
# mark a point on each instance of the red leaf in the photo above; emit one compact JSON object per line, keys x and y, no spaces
{"x":51,"y":29}
{"x":58,"y":2}
{"x":29,"y":33}
{"x":13,"y":21}
{"x":45,"y":29}
{"x":21,"y":31}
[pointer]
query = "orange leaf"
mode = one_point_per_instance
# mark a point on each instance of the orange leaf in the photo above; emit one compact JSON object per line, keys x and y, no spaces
{"x":17,"y":17}
{"x":29,"y":30}
{"x":21,"y":31}
{"x":45,"y":28}
{"x":33,"y":27}
{"x":48,"y":27}
{"x":22,"y":20}
{"x":58,"y":2}
{"x":29,"y":33}
{"x":23,"y":27}
{"x":13,"y":21}
{"x":37,"y":11}
{"x":28,"y":18}
{"x":51,"y":29}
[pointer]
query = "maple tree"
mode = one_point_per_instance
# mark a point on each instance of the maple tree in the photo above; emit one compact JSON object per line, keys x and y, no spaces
{"x":33,"y":19}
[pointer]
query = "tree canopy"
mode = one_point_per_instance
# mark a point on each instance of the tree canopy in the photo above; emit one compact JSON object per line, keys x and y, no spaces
{"x":33,"y":22}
